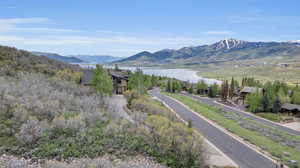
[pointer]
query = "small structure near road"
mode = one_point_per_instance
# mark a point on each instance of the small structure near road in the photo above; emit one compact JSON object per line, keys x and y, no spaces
{"x":291,"y":109}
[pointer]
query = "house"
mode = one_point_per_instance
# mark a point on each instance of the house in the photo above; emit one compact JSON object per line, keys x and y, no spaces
{"x":293,"y":109}
{"x":119,"y":78}
{"x":248,"y":90}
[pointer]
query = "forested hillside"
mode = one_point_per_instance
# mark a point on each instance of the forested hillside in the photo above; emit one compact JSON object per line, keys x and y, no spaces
{"x":13,"y":60}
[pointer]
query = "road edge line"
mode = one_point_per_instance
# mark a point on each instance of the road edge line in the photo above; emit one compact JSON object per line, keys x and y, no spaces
{"x":205,"y":139}
{"x":278,"y":124}
{"x":236,"y":137}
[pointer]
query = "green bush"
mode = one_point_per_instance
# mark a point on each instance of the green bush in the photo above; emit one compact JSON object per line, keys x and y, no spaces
{"x":270,"y":116}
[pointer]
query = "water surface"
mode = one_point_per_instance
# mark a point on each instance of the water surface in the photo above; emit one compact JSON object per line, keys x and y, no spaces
{"x":181,"y":74}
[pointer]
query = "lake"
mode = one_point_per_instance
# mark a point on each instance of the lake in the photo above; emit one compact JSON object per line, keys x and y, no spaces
{"x":181,"y":74}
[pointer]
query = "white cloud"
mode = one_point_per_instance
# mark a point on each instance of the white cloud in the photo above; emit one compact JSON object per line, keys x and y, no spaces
{"x":44,"y":30}
{"x":24,"y":20}
{"x":14,"y":25}
{"x":218,"y":33}
{"x":83,"y":40}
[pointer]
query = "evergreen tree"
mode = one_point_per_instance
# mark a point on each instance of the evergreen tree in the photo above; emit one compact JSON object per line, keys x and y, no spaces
{"x":102,"y":81}
{"x":169,"y":86}
{"x":179,"y":86}
{"x":191,"y":89}
{"x":210,"y":92}
{"x":277,"y":106}
{"x":213,"y":90}
{"x":243,"y":82}
{"x":174,"y":86}
{"x":201,"y":87}
{"x":116,"y":67}
{"x":265,"y":103}
{"x":153,"y":81}
{"x":224,"y":90}
{"x":231,"y":89}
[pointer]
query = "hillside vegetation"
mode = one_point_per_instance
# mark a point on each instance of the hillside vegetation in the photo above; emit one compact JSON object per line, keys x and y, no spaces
{"x":13,"y":61}
{"x":45,"y":115}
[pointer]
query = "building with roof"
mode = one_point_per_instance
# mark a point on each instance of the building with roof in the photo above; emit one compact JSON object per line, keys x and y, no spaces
{"x":248,"y":90}
{"x":293,"y":109}
{"x":119,"y":78}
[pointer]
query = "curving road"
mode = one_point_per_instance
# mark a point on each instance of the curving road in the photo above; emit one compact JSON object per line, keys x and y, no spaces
{"x":243,"y":113}
{"x":241,"y":154}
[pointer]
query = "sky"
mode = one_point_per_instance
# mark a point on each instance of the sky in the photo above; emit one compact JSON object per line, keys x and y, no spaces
{"x":125,"y":27}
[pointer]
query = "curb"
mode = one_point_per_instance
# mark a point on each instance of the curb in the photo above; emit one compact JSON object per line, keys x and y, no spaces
{"x":236,"y":137}
{"x":247,"y":113}
{"x":255,"y":116}
{"x":206,"y":140}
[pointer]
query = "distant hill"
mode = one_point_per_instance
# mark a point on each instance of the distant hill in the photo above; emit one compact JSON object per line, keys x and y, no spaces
{"x":222,"y":51}
{"x":13,"y":60}
{"x":96,"y":58}
{"x":59,"y":57}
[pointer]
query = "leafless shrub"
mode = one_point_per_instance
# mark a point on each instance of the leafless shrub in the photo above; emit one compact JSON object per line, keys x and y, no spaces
{"x":75,"y":123}
{"x":12,"y":162}
{"x":30,"y":131}
{"x":61,"y":104}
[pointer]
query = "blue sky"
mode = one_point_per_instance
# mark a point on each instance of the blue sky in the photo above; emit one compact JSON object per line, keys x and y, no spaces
{"x":125,"y":27}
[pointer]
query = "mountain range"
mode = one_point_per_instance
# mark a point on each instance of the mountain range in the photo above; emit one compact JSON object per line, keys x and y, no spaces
{"x":96,"y":59}
{"x":59,"y":57}
{"x":222,"y":51}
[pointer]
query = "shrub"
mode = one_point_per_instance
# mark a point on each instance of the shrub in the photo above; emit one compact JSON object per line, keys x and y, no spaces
{"x":69,"y":75}
{"x":270,"y":116}
{"x":30,"y":132}
{"x":17,"y":163}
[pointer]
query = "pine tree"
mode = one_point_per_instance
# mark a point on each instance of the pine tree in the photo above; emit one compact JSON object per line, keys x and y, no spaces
{"x":265,"y":103}
{"x":277,"y":106}
{"x":224,"y":90}
{"x":169,"y":86}
{"x":213,"y":91}
{"x":191,"y":89}
{"x":232,"y":87}
{"x":153,"y":81}
{"x":174,"y":86}
{"x":210,"y":92}
{"x":116,"y":67}
{"x":102,"y":81}
{"x":243,"y":82}
{"x":201,"y":87}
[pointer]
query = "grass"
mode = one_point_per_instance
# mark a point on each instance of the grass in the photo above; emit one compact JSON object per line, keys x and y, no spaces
{"x":262,"y":73}
{"x":256,"y":138}
{"x":271,"y":116}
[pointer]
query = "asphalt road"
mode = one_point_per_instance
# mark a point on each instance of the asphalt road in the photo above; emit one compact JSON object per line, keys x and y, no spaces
{"x":241,"y":154}
{"x":245,"y":114}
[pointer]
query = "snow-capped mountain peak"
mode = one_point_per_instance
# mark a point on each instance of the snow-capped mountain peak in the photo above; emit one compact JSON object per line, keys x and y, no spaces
{"x":229,"y":44}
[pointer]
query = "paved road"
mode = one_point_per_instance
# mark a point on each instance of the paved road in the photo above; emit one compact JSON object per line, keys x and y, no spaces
{"x":245,"y":114}
{"x":244,"y":156}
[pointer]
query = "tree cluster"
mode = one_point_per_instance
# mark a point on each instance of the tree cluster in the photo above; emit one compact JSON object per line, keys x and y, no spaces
{"x":272,"y":96}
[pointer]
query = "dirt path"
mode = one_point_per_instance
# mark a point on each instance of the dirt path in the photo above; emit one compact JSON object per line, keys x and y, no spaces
{"x":117,"y":103}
